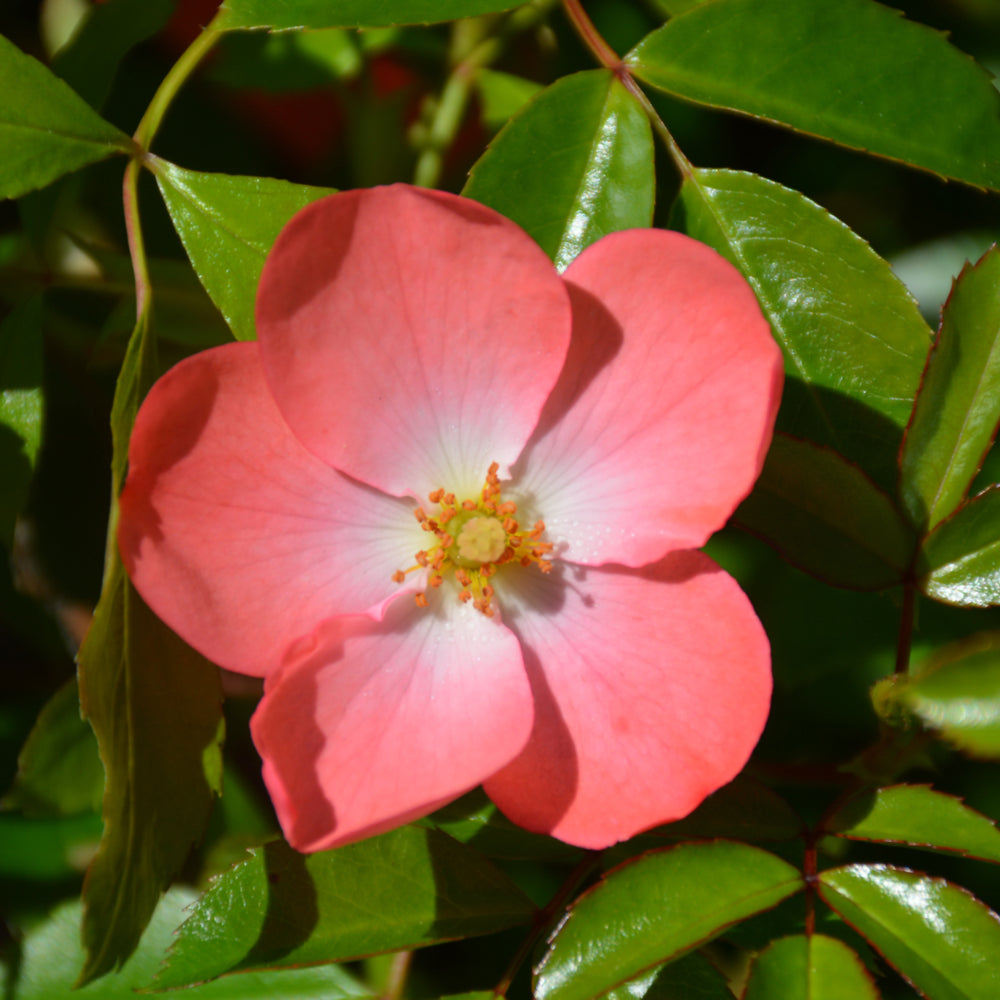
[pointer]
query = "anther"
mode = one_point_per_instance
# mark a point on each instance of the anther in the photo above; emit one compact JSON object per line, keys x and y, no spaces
{"x":399,"y":576}
{"x":469,"y":505}
{"x":435,"y":581}
{"x":435,"y":496}
{"x":419,"y":514}
{"x":421,"y":600}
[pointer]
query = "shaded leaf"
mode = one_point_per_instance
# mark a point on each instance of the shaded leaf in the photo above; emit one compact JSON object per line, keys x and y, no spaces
{"x":920,"y":816}
{"x":46,"y":849}
{"x":228,"y":225}
{"x":809,"y":968}
{"x":349,"y":13}
{"x":404,"y":889}
{"x":46,"y":130}
{"x":957,"y":694}
{"x":824,"y":515}
{"x":155,"y":706}
{"x":961,"y":558}
{"x":957,"y":409}
{"x":851,"y":71}
{"x":575,"y":164}
{"x":689,"y":978}
{"x":21,"y":409}
{"x":502,"y":95}
{"x":52,"y":956}
{"x":937,"y":935}
{"x":656,"y":908}
{"x":59,"y":772}
{"x":852,"y":336}
{"x":90,"y":60}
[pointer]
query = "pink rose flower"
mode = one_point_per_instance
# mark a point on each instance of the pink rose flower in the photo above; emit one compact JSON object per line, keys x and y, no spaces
{"x":447,"y":506}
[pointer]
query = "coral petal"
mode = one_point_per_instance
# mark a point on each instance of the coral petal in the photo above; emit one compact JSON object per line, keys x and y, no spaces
{"x":236,"y":536}
{"x":651,"y":689}
{"x":382,"y":722}
{"x":410,"y":337}
{"x":659,"y":425}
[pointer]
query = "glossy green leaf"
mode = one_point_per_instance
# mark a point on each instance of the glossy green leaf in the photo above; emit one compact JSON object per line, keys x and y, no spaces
{"x":228,"y":225}
{"x":809,"y":968}
{"x":958,"y":694}
{"x":282,"y":14}
{"x":851,"y":71}
{"x":46,"y":130}
{"x":21,"y":409}
{"x":90,"y":60}
{"x":920,"y":816}
{"x":59,"y":772}
{"x":689,"y":978}
{"x":961,"y":558}
{"x":853,"y":338}
{"x":405,"y":889}
{"x":937,"y":935}
{"x":52,"y":956}
{"x":155,"y":706}
{"x":656,"y":908}
{"x":824,"y":515}
{"x":574,"y":164}
{"x":957,"y":410}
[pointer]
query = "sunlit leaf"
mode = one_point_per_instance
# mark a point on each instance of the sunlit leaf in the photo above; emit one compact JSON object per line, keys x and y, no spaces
{"x":281,"y":14}
{"x":90,"y":60}
{"x":52,"y":957}
{"x":851,"y":71}
{"x":21,"y":409}
{"x":958,"y":407}
{"x":46,"y":130}
{"x":961,"y":558}
{"x":59,"y":772}
{"x":852,"y":335}
{"x":823,"y":514}
{"x":656,"y":908}
{"x":809,"y":968}
{"x":920,"y":816}
{"x":937,"y":935}
{"x":574,"y":164}
{"x":957,"y":694}
{"x":404,"y":889}
{"x":228,"y":224}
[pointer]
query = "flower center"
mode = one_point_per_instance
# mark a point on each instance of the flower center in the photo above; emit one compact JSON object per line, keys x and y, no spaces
{"x":474,"y":538}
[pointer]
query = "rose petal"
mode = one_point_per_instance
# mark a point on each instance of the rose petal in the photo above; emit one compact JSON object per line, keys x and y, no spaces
{"x":651,"y":689}
{"x":383,"y":722}
{"x":410,"y":337}
{"x":659,"y":425}
{"x":235,"y":535}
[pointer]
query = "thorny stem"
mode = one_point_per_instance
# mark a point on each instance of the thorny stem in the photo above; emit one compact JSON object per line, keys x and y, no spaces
{"x":545,"y":916}
{"x":607,"y":57}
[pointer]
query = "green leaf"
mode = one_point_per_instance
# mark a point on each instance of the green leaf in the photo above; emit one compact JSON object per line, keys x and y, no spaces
{"x":228,"y":225}
{"x":851,"y":71}
{"x":961,"y":558}
{"x":957,"y":694}
{"x":90,"y":60}
{"x":155,"y":706}
{"x":574,"y":164}
{"x":689,"y":978}
{"x":853,"y":338}
{"x":809,"y":968}
{"x":656,"y":908}
{"x":920,"y":816}
{"x":52,"y":955}
{"x":405,"y":889}
{"x":502,"y":95}
{"x":38,"y":850}
{"x":957,"y":410}
{"x":283,"y":14}
{"x":21,"y":409}
{"x":937,"y":935}
{"x":46,"y":130}
{"x":824,"y":515}
{"x":59,"y":772}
